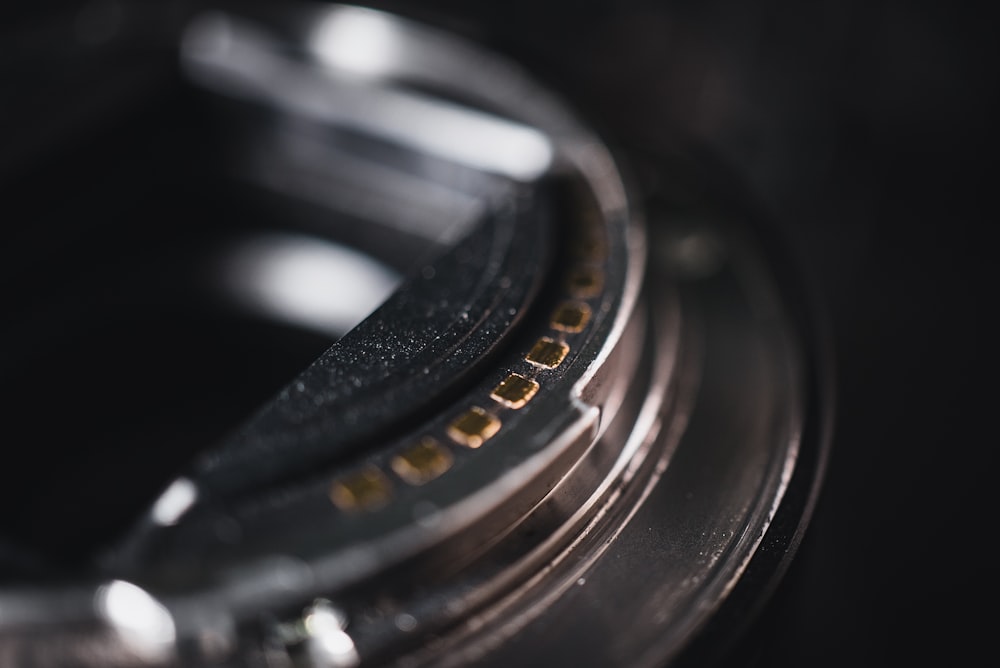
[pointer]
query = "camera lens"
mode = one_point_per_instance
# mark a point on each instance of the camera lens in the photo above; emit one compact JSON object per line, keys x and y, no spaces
{"x":351,"y":343}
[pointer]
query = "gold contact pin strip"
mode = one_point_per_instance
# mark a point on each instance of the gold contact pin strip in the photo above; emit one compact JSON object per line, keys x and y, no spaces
{"x":585,"y":282}
{"x":361,"y":490}
{"x":420,"y":463}
{"x":547,"y":353}
{"x":473,"y":427}
{"x":571,"y":317}
{"x":423,"y":462}
{"x":514,"y":391}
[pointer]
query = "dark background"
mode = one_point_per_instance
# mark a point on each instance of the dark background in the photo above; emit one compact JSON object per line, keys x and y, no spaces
{"x":863,"y":128}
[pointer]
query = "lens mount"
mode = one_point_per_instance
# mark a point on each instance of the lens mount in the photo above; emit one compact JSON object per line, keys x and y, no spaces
{"x":587,"y":422}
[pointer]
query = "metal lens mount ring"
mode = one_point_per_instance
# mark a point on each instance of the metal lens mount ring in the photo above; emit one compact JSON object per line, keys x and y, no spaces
{"x":567,"y":435}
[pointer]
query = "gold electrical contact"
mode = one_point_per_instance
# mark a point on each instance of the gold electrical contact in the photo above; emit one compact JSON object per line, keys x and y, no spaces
{"x":473,"y":427}
{"x":360,"y":490}
{"x":547,"y":353}
{"x":571,"y":317}
{"x":514,"y":391}
{"x":422,"y":462}
{"x":585,"y":282}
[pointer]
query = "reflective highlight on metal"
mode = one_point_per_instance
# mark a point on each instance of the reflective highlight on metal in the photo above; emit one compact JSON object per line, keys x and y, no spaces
{"x":328,"y":644}
{"x":308,"y":282}
{"x":174,"y":502}
{"x":476,"y":139}
{"x":548,"y":418}
{"x":141,"y":622}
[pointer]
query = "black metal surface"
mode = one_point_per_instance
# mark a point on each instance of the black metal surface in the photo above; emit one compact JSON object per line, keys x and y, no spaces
{"x":421,"y":347}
